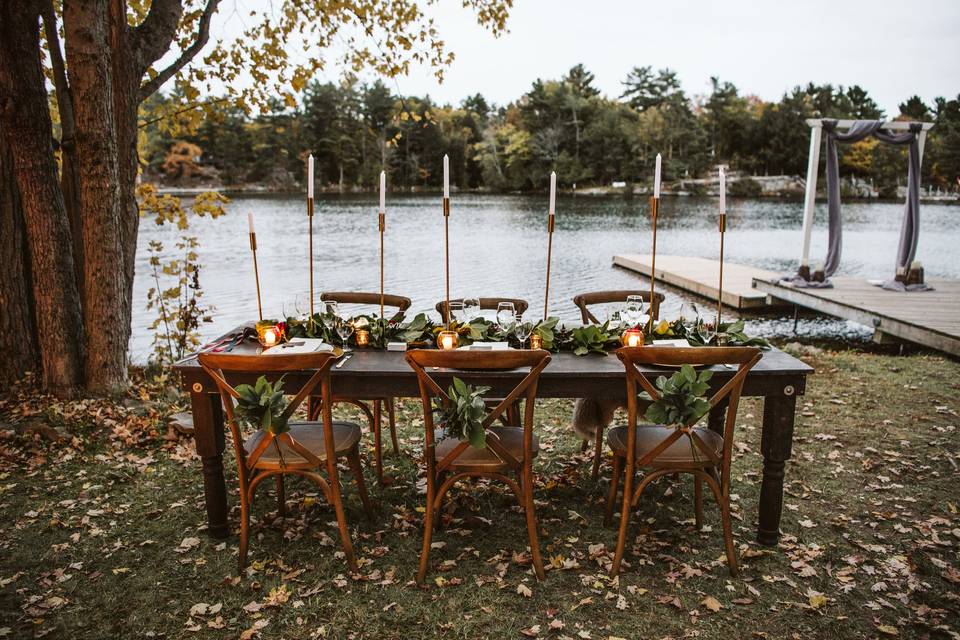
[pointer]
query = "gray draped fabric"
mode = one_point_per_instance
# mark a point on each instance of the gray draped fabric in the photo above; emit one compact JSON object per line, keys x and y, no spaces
{"x":910,"y":230}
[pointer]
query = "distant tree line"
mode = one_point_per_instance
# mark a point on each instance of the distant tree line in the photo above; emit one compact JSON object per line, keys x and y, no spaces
{"x":565,"y":125}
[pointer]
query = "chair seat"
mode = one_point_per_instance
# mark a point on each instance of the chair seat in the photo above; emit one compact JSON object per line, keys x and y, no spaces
{"x":309,"y":435}
{"x":681,"y":452}
{"x":510,"y":437}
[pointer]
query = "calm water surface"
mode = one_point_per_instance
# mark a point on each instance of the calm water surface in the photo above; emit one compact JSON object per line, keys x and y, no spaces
{"x":498,"y":247}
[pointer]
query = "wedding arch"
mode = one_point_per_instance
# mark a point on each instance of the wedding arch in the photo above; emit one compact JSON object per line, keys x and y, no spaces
{"x":912,"y":134}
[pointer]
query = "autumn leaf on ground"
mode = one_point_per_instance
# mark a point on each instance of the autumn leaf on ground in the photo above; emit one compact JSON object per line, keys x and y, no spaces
{"x":711,"y":603}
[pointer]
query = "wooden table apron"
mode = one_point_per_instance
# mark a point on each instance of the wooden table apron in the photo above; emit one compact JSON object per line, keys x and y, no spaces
{"x":779,"y":378}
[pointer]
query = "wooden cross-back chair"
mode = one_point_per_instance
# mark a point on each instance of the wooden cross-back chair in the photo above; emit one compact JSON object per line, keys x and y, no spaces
{"x":519,"y":305}
{"x":583,"y":302}
{"x":303,"y":450}
{"x":508,"y":449}
{"x":689,"y":448}
{"x":374,"y":410}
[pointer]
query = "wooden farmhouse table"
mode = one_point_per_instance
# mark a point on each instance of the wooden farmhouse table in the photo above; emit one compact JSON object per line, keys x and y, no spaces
{"x":778,"y":378}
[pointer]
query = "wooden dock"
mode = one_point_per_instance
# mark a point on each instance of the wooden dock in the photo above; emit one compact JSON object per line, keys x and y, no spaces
{"x":699,"y":276}
{"x":929,"y":318}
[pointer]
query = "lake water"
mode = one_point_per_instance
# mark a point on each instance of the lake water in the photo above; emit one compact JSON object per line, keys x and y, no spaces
{"x":498,"y":247}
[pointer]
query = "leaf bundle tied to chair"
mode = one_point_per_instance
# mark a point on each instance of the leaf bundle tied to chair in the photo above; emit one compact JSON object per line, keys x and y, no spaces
{"x":263,"y":406}
{"x":681,"y":399}
{"x":462,"y":412}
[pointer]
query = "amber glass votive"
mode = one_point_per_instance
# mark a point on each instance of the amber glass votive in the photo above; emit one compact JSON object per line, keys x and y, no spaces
{"x":448,"y":340}
{"x":268,"y":335}
{"x":536,"y":342}
{"x":632,"y":338}
{"x":362,"y":338}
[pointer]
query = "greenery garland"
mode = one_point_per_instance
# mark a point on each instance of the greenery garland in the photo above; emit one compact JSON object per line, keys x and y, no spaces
{"x":582,"y":340}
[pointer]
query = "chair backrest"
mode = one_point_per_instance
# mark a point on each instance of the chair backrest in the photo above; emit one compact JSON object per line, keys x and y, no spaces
{"x":472,"y":366}
{"x":221,"y":366}
{"x":485,"y":303}
{"x":744,"y":357}
{"x":584,"y":300}
{"x":400,"y":303}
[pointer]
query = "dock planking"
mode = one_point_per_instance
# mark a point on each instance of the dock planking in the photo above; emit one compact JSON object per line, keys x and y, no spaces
{"x":928,"y":318}
{"x":700,"y":276}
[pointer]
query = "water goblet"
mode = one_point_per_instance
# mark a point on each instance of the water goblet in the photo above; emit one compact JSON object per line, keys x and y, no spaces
{"x":343,"y":328}
{"x":457,"y":313}
{"x":689,"y":314}
{"x":521,"y":329}
{"x":633,"y":310}
{"x":471,"y":307}
{"x":505,"y":314}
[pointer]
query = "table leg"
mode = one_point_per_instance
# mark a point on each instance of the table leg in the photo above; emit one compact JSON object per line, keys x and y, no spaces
{"x":775,"y":444}
{"x":209,"y":440}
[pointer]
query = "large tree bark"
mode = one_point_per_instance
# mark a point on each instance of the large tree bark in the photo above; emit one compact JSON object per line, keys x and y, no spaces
{"x":18,"y":340}
{"x":26,"y":126}
{"x":105,"y":300}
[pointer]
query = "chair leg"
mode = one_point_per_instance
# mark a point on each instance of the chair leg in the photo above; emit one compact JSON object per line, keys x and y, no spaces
{"x":281,"y":496}
{"x":597,"y":453}
{"x":427,"y":535}
{"x":614,"y":486}
{"x":377,"y":444}
{"x":244,"y":533}
{"x":335,"y":493}
{"x":698,"y":500}
{"x":728,"y":538}
{"x":392,"y":418}
{"x":624,"y":520}
{"x":357,"y":470}
{"x":527,"y":490}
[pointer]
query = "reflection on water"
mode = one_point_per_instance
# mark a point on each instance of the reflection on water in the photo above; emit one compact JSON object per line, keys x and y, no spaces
{"x":498,"y":247}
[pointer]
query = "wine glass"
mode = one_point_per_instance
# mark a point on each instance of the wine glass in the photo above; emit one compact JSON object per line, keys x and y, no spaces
{"x":689,"y":314}
{"x":471,"y":307}
{"x":332,"y":308}
{"x":506,"y":314}
{"x":457,"y":313}
{"x":343,"y":328}
{"x":521,"y":329}
{"x":633,"y":310}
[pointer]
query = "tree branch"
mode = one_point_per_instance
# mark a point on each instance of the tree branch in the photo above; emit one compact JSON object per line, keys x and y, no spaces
{"x":60,"y":84}
{"x":152,"y":44}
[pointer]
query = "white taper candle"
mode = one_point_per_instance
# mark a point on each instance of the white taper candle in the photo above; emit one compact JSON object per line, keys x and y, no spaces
{"x":446,"y":176}
{"x":383,"y":191}
{"x":553,"y":192}
{"x":723,"y":191}
{"x":310,"y":176}
{"x":656,"y":179}
{"x":250,"y":221}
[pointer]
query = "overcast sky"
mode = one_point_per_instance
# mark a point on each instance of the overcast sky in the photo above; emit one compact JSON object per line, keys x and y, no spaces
{"x":765,"y":47}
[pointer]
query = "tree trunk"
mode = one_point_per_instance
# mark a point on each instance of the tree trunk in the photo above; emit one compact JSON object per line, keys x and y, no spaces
{"x":87,"y":28}
{"x":18,"y":340}
{"x":26,"y":126}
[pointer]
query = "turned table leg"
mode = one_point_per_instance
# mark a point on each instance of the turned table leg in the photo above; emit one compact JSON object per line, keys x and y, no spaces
{"x":209,"y":440}
{"x":775,"y":443}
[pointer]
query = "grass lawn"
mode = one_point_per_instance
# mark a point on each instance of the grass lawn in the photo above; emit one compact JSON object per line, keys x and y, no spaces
{"x":102,"y":534}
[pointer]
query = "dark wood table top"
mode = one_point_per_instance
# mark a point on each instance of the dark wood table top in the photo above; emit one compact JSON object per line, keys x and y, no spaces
{"x":375,"y":373}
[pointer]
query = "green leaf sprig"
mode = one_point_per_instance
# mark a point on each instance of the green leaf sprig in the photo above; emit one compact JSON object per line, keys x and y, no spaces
{"x":261,"y":406}
{"x":462,"y":416}
{"x":682,"y":397}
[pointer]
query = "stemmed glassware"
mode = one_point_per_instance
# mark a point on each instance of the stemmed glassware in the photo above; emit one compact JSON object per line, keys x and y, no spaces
{"x":506,"y":314}
{"x":332,"y":308}
{"x":457,"y":312}
{"x":689,"y":314}
{"x":633,"y":310}
{"x":344,"y":329}
{"x":521,"y":329}
{"x":471,"y":307}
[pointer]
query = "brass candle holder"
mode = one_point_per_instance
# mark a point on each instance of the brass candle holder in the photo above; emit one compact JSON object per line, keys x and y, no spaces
{"x":256,"y":272}
{"x":310,"y":252}
{"x":446,"y":258}
{"x":546,"y":294}
{"x":723,"y":230}
{"x":362,"y":338}
{"x":536,"y":342}
{"x":654,"y":211}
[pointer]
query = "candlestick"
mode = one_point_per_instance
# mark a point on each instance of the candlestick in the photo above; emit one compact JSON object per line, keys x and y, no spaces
{"x":310,"y":228}
{"x":723,"y":191}
{"x":656,"y":179}
{"x":723,"y":230}
{"x":310,"y":176}
{"x":256,"y":272}
{"x":382,"y":225}
{"x":550,"y":225}
{"x":446,"y":176}
{"x":654,"y":210}
{"x":446,"y":257}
